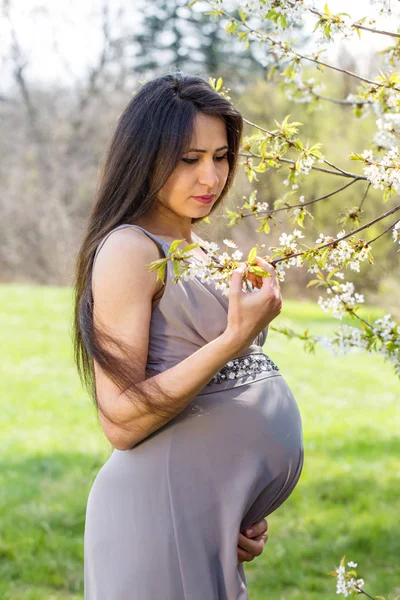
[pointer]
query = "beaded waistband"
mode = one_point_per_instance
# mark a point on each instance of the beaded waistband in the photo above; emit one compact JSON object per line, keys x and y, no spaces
{"x":244,"y":365}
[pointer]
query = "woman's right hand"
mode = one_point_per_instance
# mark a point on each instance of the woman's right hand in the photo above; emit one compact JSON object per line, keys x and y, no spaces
{"x":249,"y":313}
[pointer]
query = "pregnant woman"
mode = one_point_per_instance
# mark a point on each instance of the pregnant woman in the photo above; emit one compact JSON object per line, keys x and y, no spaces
{"x":206,"y":433}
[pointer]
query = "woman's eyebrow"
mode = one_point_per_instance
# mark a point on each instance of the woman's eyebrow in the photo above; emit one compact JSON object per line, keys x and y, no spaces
{"x":200,"y":150}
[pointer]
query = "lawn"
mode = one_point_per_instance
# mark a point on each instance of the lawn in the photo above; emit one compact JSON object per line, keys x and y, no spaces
{"x":347,"y":501}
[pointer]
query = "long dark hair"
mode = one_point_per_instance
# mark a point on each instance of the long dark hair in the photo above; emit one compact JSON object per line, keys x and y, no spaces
{"x":150,"y":137}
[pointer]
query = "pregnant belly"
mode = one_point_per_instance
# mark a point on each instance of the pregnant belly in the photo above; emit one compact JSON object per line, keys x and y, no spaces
{"x":182,"y":495}
{"x":239,"y":449}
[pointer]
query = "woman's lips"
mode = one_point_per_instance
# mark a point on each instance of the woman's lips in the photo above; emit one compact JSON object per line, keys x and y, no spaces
{"x":204,"y":199}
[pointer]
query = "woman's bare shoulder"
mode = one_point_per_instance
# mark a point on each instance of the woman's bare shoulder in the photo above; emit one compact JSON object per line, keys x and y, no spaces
{"x":123,"y":259}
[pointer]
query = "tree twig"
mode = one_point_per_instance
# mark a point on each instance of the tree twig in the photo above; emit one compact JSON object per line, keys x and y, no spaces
{"x":298,"y":55}
{"x":335,"y":241}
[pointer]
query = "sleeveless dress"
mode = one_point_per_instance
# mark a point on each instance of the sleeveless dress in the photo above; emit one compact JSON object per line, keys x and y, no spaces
{"x":163,"y":518}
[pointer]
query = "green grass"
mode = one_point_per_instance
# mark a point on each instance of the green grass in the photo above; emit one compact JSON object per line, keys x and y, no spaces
{"x":52,"y":447}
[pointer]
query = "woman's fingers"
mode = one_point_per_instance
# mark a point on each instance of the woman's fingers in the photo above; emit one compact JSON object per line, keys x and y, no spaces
{"x":269,"y":284}
{"x":259,"y":528}
{"x":262,"y":262}
{"x":255,"y":280}
{"x":244,"y":556}
{"x":236,"y":281}
{"x":254,"y":546}
{"x":251,"y":543}
{"x":264,"y":284}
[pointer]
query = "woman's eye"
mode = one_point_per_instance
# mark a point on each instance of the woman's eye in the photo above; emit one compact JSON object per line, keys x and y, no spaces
{"x":191,"y":161}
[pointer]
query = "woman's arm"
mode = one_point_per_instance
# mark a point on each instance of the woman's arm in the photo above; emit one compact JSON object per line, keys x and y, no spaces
{"x":123,"y":289}
{"x":182,"y":382}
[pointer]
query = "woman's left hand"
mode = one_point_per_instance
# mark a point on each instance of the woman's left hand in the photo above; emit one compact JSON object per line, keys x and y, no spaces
{"x":252,"y":544}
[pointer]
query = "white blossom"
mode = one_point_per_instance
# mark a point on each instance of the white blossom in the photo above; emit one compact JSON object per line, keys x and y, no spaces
{"x":230,"y":243}
{"x":388,"y":129}
{"x":395,"y":232}
{"x":344,"y":295}
{"x":342,"y":252}
{"x":237,"y":255}
{"x":306,"y":163}
{"x":384,"y":172}
{"x":341,"y":584}
{"x":210,"y":246}
{"x":348,"y":338}
{"x":261,"y":206}
{"x":368,"y":155}
{"x":288,"y":239}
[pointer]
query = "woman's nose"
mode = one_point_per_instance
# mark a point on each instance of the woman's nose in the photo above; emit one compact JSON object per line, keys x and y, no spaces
{"x":209,"y":175}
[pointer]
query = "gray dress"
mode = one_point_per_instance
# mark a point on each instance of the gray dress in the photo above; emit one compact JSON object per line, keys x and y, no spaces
{"x":163,"y":518}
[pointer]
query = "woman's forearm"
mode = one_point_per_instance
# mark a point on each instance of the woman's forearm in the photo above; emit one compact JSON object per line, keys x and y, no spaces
{"x":182,"y":382}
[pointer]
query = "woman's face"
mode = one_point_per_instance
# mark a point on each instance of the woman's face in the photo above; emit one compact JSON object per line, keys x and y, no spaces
{"x":201,"y":171}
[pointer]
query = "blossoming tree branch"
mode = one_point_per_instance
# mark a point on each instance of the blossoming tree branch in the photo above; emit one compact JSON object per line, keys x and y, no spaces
{"x":273,"y":23}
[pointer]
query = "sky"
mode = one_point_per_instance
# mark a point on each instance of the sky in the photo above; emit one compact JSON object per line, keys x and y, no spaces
{"x":61,"y":39}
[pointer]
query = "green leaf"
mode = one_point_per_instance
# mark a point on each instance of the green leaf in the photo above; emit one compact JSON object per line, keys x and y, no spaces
{"x":324,"y":256}
{"x":332,"y":273}
{"x":298,"y":145}
{"x":318,"y":24}
{"x":219,"y":84}
{"x":289,"y":72}
{"x":263,"y":147}
{"x":387,"y":193}
{"x":313,"y":282}
{"x":231,"y":26}
{"x":161,"y":273}
{"x":242,"y":15}
{"x":267,"y":227}
{"x":327,"y":30}
{"x":260,"y":271}
{"x":300,"y":218}
{"x":355,"y":156}
{"x":217,"y":12}
{"x":153,"y":266}
{"x":253,"y":198}
{"x":174,"y":244}
{"x":252,"y":254}
{"x":261,"y":167}
{"x":271,"y":15}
